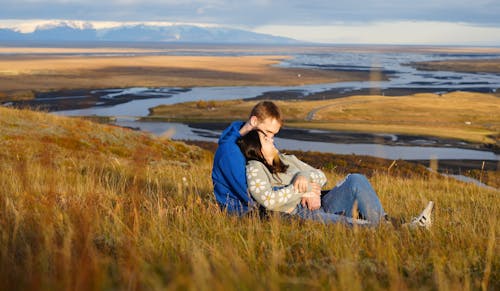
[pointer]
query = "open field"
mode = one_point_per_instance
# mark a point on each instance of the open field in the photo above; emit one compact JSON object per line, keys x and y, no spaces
{"x":466,"y":116}
{"x":467,"y":66}
{"x":22,"y":74}
{"x":85,"y":206}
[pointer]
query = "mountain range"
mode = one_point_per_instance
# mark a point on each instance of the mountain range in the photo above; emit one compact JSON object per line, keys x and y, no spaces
{"x":67,"y":31}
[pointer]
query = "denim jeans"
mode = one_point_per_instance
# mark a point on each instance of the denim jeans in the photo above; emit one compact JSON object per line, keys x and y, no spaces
{"x":337,"y":204}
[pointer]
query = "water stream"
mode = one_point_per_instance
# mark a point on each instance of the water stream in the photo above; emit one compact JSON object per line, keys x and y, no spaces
{"x":394,"y":65}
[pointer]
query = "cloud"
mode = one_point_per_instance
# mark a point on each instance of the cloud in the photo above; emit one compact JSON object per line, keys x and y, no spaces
{"x":27,"y":26}
{"x":399,"y":32}
{"x":257,"y":12}
{"x":315,"y":20}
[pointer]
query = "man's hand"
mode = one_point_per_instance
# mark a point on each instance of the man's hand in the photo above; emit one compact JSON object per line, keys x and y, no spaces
{"x":300,"y":184}
{"x":313,"y":202}
{"x":247,"y":127}
{"x":316,"y":189}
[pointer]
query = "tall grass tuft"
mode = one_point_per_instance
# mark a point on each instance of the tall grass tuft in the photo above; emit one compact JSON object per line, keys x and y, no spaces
{"x":90,"y":207}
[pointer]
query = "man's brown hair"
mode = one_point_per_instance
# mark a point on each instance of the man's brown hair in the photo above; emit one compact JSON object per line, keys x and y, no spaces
{"x":266,"y":109}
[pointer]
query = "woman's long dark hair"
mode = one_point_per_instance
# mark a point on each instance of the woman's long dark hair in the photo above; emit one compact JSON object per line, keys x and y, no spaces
{"x":252,"y":150}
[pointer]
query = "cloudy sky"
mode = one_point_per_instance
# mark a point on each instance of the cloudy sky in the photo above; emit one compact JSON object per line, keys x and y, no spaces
{"x":471,"y":22}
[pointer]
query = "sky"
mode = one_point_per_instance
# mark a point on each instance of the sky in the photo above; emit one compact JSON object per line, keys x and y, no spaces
{"x":455,"y":22}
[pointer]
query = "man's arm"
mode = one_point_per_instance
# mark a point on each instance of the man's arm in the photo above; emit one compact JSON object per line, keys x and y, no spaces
{"x":246,"y":128}
{"x":234,"y":174}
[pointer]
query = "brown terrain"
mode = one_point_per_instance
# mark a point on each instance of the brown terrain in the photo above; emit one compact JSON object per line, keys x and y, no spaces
{"x":20,"y":75}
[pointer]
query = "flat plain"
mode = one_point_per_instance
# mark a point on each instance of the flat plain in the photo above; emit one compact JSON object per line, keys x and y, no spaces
{"x":21,"y":74}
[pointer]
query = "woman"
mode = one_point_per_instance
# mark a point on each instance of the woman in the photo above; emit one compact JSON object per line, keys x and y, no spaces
{"x":279,"y":182}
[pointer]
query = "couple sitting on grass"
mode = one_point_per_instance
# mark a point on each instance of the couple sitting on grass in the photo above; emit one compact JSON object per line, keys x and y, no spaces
{"x":250,"y":173}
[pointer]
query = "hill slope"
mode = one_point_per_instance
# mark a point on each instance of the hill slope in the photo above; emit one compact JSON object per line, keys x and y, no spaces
{"x":85,"y":206}
{"x":32,"y":134}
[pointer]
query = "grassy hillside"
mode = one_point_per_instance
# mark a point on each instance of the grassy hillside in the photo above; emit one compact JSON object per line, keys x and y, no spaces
{"x":85,"y":206}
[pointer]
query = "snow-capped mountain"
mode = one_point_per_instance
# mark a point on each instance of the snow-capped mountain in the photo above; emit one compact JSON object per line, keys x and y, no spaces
{"x":75,"y":24}
{"x":84,"y":31}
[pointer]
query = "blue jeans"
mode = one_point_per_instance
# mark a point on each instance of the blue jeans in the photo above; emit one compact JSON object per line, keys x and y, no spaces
{"x":337,"y":204}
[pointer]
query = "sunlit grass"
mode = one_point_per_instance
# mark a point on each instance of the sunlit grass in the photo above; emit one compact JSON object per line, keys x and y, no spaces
{"x":91,"y":207}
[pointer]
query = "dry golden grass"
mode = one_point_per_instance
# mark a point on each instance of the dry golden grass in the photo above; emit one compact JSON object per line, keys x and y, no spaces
{"x":91,"y":207}
{"x":55,"y":72}
{"x":461,"y":115}
{"x":470,"y":116}
{"x":232,"y":109}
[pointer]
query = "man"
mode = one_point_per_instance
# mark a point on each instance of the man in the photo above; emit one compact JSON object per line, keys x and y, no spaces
{"x":228,"y":172}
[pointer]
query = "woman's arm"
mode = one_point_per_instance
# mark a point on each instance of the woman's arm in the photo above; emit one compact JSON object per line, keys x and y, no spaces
{"x":312,"y":174}
{"x":261,"y":188}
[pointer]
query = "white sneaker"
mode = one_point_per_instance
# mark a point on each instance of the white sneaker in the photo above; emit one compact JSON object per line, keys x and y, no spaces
{"x":424,"y":219}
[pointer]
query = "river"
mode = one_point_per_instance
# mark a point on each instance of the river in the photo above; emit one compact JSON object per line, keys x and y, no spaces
{"x":394,"y":65}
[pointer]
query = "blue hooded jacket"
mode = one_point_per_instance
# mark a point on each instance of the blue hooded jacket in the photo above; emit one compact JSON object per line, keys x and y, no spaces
{"x":229,"y":173}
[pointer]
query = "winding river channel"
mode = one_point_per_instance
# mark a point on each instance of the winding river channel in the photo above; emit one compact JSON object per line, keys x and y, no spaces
{"x":394,"y":65}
